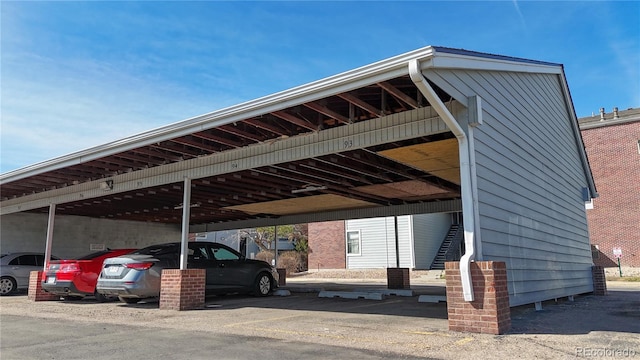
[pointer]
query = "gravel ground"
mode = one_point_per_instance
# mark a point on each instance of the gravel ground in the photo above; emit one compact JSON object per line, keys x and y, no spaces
{"x":395,"y":328}
{"x":613,"y":273}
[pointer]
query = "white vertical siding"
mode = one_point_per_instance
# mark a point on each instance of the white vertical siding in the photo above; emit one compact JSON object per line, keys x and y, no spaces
{"x":429,"y":230}
{"x":529,"y":180}
{"x":378,"y":242}
{"x":404,"y":239}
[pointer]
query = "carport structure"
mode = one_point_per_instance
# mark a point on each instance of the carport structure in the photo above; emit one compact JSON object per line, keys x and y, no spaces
{"x":432,"y":130}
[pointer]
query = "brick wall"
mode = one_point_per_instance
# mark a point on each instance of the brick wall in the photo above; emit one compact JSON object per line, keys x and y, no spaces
{"x":327,"y":243}
{"x":614,"y":220}
{"x":599,"y":281}
{"x":398,"y":278}
{"x":35,"y":291}
{"x":182,"y":289}
{"x":489,"y":312}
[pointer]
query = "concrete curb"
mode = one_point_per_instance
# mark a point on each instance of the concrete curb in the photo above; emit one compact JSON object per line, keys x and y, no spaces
{"x":351,"y":295}
{"x":397,"y":292}
{"x":431,"y":299}
{"x":282,"y":292}
{"x":302,"y":289}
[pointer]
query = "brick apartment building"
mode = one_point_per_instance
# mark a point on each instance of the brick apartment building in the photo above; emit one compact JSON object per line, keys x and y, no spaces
{"x":612,"y":142}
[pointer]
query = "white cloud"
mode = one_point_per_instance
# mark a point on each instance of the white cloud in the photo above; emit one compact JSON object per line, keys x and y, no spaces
{"x":58,"y":109}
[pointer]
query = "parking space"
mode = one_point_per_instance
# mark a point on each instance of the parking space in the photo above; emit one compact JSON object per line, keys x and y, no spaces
{"x":395,"y":327}
{"x":363,"y":325}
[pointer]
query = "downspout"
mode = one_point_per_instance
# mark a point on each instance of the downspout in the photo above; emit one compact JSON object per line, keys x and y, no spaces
{"x":186,"y":216}
{"x":50,"y":224}
{"x":465,"y":174}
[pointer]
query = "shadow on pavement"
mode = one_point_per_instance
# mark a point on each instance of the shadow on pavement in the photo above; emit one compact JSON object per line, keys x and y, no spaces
{"x":618,"y":311}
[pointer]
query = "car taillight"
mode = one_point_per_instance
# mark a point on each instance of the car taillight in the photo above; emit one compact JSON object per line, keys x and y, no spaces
{"x":139,"y":266}
{"x":69,"y":268}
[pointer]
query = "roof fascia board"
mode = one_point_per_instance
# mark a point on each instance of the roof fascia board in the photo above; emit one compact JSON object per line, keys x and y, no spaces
{"x":444,"y":60}
{"x":578,"y":136}
{"x":347,"y":81}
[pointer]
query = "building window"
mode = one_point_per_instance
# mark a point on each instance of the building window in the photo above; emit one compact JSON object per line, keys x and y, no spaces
{"x":353,"y":243}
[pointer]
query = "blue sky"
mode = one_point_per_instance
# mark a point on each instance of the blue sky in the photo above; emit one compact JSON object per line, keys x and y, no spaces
{"x":79,"y":74}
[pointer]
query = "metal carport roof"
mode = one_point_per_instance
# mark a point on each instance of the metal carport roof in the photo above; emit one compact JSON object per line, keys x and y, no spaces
{"x":140,"y":177}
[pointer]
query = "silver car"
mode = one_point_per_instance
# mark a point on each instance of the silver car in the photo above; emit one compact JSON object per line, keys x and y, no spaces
{"x":16,"y":268}
{"x":136,"y":276}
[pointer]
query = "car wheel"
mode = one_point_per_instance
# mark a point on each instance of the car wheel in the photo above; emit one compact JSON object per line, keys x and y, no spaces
{"x":262,"y":286}
{"x":129,"y":300}
{"x":7,"y":285}
{"x":101,"y":298}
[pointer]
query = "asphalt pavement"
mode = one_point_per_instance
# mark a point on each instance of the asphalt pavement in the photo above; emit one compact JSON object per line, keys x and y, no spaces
{"x":304,"y":326}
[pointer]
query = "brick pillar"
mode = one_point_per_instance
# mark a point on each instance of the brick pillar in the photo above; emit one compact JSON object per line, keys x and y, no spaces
{"x":282,"y":275}
{"x":35,"y":292}
{"x":182,"y":289}
{"x":489,"y":313}
{"x":398,"y":278}
{"x":599,"y":281}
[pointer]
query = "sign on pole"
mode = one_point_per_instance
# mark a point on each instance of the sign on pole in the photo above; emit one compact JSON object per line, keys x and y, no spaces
{"x":617,"y":252}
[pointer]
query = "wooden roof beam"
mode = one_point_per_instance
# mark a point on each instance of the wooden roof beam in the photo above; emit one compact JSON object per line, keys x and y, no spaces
{"x":266,"y":126}
{"x":233,"y":129}
{"x":156,"y":152}
{"x":361,"y":104}
{"x":398,"y":94}
{"x":218,"y":139}
{"x":188,"y":141}
{"x":328,"y":112}
{"x":295,"y":120}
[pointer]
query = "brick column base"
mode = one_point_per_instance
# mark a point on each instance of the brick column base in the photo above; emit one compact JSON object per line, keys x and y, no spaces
{"x":182,"y":289}
{"x":35,"y":292}
{"x":489,"y":312}
{"x":599,"y":281}
{"x":282,"y":275}
{"x":398,"y":278}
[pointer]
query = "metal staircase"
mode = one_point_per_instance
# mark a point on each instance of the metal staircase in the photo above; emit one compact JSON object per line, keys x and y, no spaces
{"x":450,"y":248}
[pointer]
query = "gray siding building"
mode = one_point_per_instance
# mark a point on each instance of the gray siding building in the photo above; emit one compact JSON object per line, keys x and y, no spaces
{"x":530,"y":176}
{"x":419,"y":239}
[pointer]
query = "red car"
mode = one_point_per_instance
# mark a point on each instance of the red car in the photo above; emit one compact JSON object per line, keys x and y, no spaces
{"x":75,"y":279}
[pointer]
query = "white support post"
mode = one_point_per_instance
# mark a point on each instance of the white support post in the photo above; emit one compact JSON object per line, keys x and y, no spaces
{"x":275,"y":246}
{"x":47,"y":251}
{"x":186,"y":215}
